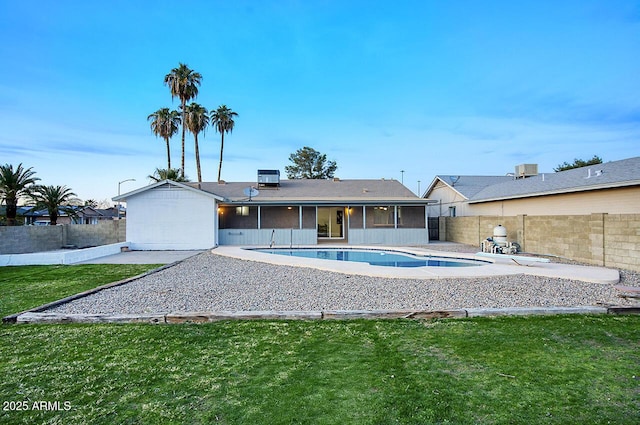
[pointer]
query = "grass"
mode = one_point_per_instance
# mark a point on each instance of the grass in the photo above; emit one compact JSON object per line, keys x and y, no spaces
{"x":25,"y":287}
{"x":509,"y":370}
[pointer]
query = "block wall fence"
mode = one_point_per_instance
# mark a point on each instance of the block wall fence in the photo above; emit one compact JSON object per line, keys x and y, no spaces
{"x":27,"y":239}
{"x":610,"y":240}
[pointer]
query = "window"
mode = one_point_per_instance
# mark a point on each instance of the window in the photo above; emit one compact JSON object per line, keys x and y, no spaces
{"x":243,"y":211}
{"x":452,"y":211}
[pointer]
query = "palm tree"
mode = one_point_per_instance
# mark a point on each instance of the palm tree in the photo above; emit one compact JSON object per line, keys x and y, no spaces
{"x":196,"y":121}
{"x":14,"y":185}
{"x":183,"y":83}
{"x":174,"y":174}
{"x":55,"y":199}
{"x":165,"y":124}
{"x":222,"y":120}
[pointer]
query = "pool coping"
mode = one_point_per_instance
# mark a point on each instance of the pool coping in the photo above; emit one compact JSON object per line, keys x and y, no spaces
{"x":496,"y":266}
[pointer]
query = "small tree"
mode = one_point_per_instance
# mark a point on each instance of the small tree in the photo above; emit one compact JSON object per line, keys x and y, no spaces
{"x":55,"y":199}
{"x":173,"y":174}
{"x":308,"y":163}
{"x":577,"y":163}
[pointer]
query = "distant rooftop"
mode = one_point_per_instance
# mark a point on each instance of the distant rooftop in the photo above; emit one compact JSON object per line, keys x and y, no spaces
{"x":612,"y":174}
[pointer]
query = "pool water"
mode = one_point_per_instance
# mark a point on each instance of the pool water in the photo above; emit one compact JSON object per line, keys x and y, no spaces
{"x":375,"y":257}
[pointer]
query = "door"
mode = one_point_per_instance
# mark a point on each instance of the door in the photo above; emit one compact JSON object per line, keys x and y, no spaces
{"x":331,"y":223}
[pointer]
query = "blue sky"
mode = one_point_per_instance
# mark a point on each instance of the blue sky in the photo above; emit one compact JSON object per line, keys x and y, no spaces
{"x":429,"y":87}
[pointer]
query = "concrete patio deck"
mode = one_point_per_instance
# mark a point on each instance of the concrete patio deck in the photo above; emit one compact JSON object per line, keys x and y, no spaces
{"x":495,"y":267}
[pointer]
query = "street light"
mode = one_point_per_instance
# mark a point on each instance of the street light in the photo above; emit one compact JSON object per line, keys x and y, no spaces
{"x":119,"y":183}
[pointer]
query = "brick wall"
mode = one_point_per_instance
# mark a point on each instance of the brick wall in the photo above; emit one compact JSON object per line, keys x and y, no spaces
{"x":26,"y":239}
{"x":611,"y":240}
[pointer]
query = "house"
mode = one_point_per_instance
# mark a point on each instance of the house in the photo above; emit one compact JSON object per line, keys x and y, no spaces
{"x":20,"y":214}
{"x":84,"y":215}
{"x":171,"y":215}
{"x":612,"y":187}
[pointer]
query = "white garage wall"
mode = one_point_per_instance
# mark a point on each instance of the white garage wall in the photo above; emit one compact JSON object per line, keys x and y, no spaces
{"x":171,"y":218}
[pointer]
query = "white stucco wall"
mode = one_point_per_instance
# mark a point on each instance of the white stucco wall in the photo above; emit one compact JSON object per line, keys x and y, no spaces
{"x":171,"y":218}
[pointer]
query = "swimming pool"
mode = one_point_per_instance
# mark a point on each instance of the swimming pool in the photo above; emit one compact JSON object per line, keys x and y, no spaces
{"x":374,"y":257}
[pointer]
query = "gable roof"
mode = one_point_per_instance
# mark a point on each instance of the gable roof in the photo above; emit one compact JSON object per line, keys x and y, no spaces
{"x":165,"y":183}
{"x":608,"y":175}
{"x":318,"y":191}
{"x":467,"y":186}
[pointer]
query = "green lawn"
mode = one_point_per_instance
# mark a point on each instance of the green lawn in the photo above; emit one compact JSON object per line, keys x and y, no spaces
{"x":510,"y":370}
{"x":25,"y":287}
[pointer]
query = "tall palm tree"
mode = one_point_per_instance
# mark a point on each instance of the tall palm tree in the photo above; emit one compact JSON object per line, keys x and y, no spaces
{"x":55,"y":199}
{"x":196,"y":121}
{"x":222,"y":120}
{"x":183,"y":83}
{"x":173,"y":174}
{"x":13,"y":186}
{"x":165,"y":123}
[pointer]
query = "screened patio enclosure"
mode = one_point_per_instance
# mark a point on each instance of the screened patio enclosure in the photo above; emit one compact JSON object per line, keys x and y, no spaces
{"x":263,"y":224}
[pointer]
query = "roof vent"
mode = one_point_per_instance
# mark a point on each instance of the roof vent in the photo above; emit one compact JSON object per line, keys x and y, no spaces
{"x":268,"y":178}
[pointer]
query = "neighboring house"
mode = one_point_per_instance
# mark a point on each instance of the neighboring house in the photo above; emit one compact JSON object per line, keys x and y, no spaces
{"x":612,"y":187}
{"x":85,"y":215}
{"x":170,"y":215}
{"x":452,"y":193}
{"x":90,"y":215}
{"x":20,"y":213}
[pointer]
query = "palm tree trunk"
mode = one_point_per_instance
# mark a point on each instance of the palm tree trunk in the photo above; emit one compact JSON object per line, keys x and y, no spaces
{"x":168,"y":154}
{"x":195,"y":136}
{"x":221,"y":150}
{"x":12,"y":210}
{"x":183,"y":129}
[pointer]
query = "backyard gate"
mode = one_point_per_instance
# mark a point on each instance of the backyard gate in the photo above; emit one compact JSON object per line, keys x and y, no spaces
{"x":434,"y":228}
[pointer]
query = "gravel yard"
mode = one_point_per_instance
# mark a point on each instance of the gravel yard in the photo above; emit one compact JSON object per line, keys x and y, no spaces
{"x":209,"y":282}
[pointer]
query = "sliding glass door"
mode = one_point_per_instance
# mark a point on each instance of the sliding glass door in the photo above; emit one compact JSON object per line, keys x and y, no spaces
{"x":331,"y":222}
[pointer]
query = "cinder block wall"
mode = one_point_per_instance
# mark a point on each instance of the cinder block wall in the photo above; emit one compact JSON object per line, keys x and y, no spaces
{"x":611,"y":240}
{"x":622,"y":241}
{"x":26,"y":239}
{"x":103,"y":233}
{"x":463,"y":230}
{"x":568,"y":236}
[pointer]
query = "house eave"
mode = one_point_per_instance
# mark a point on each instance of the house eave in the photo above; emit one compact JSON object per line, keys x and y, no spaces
{"x":330,"y":202}
{"x":558,"y":191}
